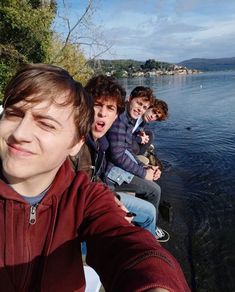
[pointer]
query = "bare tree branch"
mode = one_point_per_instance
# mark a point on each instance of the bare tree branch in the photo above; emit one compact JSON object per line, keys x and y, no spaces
{"x":83,"y":32}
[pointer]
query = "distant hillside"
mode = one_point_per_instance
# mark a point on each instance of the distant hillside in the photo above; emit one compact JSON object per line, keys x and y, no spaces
{"x":210,"y":64}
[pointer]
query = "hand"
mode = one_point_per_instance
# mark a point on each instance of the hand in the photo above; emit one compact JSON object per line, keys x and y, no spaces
{"x":153,"y":172}
{"x":157,"y":172}
{"x":144,"y":138}
{"x":150,"y":174}
{"x":122,"y":206}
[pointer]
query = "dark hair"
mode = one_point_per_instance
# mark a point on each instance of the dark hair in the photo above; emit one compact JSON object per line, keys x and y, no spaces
{"x":36,"y":82}
{"x":144,"y":92}
{"x":106,"y":87}
{"x":162,"y":107}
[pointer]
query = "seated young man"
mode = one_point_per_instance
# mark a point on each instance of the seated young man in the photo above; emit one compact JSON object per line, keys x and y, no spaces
{"x":109,"y":102}
{"x":46,"y":210}
{"x":124,"y":170}
{"x":142,"y":137}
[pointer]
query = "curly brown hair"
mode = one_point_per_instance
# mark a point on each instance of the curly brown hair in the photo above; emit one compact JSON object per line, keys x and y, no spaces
{"x":106,"y":87}
{"x":144,"y":92}
{"x":160,"y":106}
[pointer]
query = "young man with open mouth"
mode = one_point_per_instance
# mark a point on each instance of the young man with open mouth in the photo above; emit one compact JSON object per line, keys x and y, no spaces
{"x":109,"y":102}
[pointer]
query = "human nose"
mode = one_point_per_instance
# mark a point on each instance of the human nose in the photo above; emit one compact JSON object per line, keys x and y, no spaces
{"x":102,"y":111}
{"x":23,"y":132}
{"x":142,"y":109}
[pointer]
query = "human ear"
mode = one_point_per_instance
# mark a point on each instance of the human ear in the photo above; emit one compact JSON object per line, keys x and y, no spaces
{"x":76,"y":148}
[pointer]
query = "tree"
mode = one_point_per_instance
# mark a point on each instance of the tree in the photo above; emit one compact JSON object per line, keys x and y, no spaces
{"x":24,"y":35}
{"x":79,"y":30}
{"x":71,"y":58}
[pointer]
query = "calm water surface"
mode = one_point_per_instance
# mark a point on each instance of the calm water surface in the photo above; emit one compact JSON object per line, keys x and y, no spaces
{"x":197,"y":147}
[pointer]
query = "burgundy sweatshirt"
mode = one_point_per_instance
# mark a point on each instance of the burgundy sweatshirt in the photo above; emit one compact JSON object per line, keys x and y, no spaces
{"x":45,"y":256}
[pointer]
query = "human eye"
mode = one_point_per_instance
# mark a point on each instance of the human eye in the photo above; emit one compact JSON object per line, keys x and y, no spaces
{"x":97,"y":104}
{"x":112,"y":108}
{"x":46,"y":125}
{"x":10,"y":113}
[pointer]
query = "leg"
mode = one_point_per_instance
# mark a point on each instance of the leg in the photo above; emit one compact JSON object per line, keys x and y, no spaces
{"x":145,"y":211}
{"x":144,"y":189}
{"x":135,"y":147}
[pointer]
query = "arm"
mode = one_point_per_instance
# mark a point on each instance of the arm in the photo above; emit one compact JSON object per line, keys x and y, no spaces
{"x":157,"y":290}
{"x":120,"y":139}
{"x":119,"y":251}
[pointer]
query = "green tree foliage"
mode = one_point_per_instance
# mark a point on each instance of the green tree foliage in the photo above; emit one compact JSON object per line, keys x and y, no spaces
{"x":115,"y":66}
{"x":70,"y":57}
{"x":24,"y":35}
{"x":153,"y":64}
{"x":124,"y":68}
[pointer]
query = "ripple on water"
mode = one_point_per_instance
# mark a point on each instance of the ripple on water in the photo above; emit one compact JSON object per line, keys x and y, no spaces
{"x":213,"y":236}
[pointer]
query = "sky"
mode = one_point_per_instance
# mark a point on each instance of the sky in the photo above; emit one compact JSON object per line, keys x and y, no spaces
{"x":164,"y":30}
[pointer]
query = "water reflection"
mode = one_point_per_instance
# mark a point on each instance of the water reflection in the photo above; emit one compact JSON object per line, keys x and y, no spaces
{"x":197,"y":146}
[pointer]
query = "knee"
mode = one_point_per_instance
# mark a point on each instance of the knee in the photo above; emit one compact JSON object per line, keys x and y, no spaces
{"x":150,"y":209}
{"x":157,"y":189}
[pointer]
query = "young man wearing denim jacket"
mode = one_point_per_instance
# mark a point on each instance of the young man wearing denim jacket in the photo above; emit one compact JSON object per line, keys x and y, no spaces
{"x":109,"y":101}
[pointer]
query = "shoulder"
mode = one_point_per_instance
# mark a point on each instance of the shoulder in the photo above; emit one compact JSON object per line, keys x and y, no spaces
{"x":103,"y":143}
{"x":82,"y":158}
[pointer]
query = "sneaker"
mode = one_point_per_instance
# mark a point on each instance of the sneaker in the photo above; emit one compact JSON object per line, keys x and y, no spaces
{"x":162,"y":235}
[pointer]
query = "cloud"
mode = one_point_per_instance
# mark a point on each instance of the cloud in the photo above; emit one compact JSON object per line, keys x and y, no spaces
{"x":170,"y":38}
{"x":168,"y":30}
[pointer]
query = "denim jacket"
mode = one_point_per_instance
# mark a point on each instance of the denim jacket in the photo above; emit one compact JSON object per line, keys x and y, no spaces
{"x":119,"y":175}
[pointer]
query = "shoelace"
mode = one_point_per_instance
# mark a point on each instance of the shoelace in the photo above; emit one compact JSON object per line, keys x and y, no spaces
{"x":160,"y":233}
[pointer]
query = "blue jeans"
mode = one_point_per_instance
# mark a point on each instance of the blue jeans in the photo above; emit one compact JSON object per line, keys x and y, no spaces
{"x":144,"y":189}
{"x":145,"y":211}
{"x":145,"y":214}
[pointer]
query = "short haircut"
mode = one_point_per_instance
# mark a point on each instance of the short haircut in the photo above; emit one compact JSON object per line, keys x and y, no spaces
{"x":145,"y":93}
{"x":37,"y":82}
{"x":162,"y":107}
{"x":104,"y":87}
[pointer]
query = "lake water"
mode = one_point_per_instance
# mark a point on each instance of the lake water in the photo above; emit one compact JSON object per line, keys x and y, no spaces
{"x":197,"y":147}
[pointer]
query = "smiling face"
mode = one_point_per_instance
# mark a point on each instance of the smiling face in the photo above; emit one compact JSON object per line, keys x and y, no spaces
{"x":152,"y":115}
{"x":36,"y":138}
{"x":105,"y":114}
{"x":137,"y":107}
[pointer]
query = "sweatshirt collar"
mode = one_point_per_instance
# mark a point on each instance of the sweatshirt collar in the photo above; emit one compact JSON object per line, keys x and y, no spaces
{"x":60,"y":183}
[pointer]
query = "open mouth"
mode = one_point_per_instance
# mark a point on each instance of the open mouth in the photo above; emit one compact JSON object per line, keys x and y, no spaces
{"x":99,"y":126}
